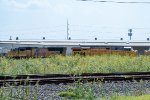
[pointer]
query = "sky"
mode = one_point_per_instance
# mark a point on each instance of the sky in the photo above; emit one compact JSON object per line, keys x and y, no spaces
{"x":34,"y":19}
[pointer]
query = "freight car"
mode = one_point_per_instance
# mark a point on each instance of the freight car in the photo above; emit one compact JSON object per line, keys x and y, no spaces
{"x":26,"y":52}
{"x":103,"y":50}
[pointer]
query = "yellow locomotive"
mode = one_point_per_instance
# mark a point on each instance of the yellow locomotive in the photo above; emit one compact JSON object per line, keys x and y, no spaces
{"x":102,"y":51}
{"x":23,"y":52}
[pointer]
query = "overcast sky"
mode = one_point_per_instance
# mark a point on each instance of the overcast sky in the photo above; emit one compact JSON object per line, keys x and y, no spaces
{"x":34,"y":19}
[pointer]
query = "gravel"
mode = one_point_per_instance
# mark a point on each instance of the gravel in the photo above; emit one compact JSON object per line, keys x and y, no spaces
{"x":50,"y":91}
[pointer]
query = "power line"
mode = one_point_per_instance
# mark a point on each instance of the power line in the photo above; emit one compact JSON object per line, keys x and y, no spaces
{"x":106,"y":27}
{"x":106,"y":1}
{"x":50,"y":29}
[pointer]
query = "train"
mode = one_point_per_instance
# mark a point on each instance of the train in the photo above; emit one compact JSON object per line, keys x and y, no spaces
{"x":26,"y":52}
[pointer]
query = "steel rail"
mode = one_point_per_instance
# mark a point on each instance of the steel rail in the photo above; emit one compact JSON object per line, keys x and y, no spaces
{"x":66,"y":78}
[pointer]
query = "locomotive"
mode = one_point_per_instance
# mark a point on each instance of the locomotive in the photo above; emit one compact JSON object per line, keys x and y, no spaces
{"x":104,"y":50}
{"x":26,"y":52}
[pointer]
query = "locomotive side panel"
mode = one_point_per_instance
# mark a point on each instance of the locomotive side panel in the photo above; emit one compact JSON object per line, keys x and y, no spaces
{"x":22,"y":52}
{"x":13,"y":53}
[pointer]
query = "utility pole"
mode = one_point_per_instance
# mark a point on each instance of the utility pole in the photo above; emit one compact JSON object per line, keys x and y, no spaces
{"x":67,"y":30}
{"x":130,"y":33}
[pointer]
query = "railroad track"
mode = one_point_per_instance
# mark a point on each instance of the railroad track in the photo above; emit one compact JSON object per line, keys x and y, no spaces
{"x":65,"y":78}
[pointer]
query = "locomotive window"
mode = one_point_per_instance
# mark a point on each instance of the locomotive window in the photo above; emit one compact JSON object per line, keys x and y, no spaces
{"x":28,"y":48}
{"x":116,"y":48}
{"x":22,"y":49}
{"x":107,"y":48}
{"x":127,"y":49}
{"x":76,"y":49}
{"x":55,"y":49}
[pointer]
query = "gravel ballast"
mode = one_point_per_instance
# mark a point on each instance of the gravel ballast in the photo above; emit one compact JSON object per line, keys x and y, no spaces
{"x":100,"y":90}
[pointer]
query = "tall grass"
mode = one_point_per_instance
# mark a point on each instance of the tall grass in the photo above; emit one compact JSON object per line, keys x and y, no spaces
{"x":74,"y":65}
{"x":18,"y":93}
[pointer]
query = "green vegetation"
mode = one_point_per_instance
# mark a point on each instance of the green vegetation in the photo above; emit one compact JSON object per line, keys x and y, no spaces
{"x":143,"y":97}
{"x":10,"y":93}
{"x":74,"y":65}
{"x":67,"y":94}
{"x":79,"y":92}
